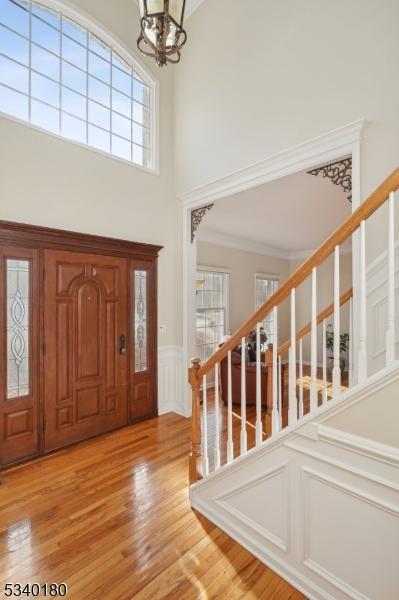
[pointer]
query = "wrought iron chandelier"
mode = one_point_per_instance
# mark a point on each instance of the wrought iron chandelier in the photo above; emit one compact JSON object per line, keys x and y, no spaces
{"x":162,"y":34}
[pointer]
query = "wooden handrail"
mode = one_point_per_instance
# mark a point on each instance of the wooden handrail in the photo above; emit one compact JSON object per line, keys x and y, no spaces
{"x":283,"y":349}
{"x":365,"y":210}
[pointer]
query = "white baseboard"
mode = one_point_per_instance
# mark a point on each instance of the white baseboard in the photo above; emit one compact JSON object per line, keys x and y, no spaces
{"x":170,"y":380}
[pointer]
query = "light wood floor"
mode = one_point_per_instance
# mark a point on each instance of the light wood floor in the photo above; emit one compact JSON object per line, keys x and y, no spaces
{"x":110,"y":517}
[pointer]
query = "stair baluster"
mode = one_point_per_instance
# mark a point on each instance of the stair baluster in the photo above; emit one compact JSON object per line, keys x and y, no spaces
{"x":230,"y":448}
{"x":243,"y":435}
{"x":205,"y":425}
{"x":258,"y":425}
{"x":390,"y":336}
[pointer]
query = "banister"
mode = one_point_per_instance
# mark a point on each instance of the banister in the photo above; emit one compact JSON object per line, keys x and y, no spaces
{"x":283,"y":349}
{"x":365,"y":210}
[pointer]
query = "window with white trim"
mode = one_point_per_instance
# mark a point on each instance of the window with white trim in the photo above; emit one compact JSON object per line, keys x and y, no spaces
{"x":211,"y":311}
{"x":264,"y":289}
{"x":57,"y":74}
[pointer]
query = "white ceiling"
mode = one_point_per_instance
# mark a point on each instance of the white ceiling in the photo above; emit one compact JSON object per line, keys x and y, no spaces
{"x":191,"y":6}
{"x":288,"y":217}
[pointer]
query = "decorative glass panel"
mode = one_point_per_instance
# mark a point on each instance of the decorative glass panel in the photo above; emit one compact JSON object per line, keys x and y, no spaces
{"x":140,"y":320}
{"x":46,"y":58}
{"x":18,"y":274}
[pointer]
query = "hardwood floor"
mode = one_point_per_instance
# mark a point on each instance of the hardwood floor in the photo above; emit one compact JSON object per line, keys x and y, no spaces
{"x":111,"y":518}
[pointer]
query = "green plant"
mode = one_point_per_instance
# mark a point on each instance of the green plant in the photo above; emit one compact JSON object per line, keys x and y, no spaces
{"x":344,"y":340}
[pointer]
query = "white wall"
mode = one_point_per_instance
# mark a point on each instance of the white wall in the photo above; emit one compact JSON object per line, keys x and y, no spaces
{"x":51,"y":182}
{"x":243,"y":267}
{"x":271,"y":76}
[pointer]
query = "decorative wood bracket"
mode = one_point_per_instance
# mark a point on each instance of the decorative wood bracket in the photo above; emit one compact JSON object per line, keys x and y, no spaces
{"x":196,"y":217}
{"x":340,"y":174}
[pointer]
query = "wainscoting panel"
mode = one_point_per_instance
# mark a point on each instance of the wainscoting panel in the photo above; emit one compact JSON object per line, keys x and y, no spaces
{"x":170,"y":379}
{"x":247,"y":502}
{"x":341,"y":515}
{"x":318,"y":506}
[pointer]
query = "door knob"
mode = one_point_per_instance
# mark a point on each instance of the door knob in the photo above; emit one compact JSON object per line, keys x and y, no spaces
{"x":122,"y":344}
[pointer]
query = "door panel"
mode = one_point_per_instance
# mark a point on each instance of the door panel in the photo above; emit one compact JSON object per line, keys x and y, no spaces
{"x":19,"y":310}
{"x":143,"y":401}
{"x":85,"y":375}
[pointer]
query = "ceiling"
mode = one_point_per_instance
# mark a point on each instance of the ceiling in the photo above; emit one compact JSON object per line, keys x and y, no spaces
{"x":191,"y":6}
{"x":290,"y":216}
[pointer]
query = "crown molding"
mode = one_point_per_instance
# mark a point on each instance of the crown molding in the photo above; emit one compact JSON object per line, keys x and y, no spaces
{"x":301,"y":157}
{"x":192,"y":7}
{"x":211,"y":236}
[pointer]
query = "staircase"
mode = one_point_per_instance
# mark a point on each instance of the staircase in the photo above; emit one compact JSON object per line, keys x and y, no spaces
{"x":316,"y":497}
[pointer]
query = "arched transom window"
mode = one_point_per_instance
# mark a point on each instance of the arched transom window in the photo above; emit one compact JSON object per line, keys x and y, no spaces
{"x":63,"y":76}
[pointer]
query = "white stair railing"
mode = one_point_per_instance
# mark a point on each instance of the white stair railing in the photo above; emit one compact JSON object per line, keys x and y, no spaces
{"x":282,"y":386}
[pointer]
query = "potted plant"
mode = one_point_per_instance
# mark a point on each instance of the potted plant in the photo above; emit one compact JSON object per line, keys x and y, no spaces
{"x":252,"y":342}
{"x":343,"y":347}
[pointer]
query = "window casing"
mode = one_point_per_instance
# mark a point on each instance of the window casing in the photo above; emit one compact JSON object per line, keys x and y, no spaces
{"x":212,"y":289}
{"x":265,"y":287}
{"x":63,"y":75}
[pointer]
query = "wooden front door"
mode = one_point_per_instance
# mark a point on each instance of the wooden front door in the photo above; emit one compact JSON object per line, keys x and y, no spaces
{"x":85,"y":346}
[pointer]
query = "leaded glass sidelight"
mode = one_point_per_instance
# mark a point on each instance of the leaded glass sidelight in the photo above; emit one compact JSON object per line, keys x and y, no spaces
{"x":140,"y":321}
{"x":18,"y":276}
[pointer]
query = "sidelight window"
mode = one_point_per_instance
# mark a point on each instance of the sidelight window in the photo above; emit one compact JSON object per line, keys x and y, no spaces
{"x":140,"y":333}
{"x":18,"y":284}
{"x":61,"y":76}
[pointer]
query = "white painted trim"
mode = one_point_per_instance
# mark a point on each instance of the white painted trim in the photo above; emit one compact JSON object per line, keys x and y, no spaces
{"x":212,"y":236}
{"x":358,"y":444}
{"x":170,"y":375}
{"x":298,"y":447}
{"x":192,"y":7}
{"x":87,"y":21}
{"x":319,"y":150}
{"x":225,"y":270}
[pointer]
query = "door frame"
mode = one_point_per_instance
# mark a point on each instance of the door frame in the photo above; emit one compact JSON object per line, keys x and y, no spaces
{"x":327,"y":148}
{"x":42,"y":238}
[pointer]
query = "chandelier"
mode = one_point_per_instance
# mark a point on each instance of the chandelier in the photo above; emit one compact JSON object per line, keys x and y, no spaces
{"x":162,"y":34}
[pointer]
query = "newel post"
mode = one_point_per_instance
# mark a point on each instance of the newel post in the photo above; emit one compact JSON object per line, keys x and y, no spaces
{"x":269,"y":390}
{"x":195,"y":458}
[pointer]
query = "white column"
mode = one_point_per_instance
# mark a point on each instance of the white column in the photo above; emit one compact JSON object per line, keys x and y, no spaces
{"x":337,"y":329}
{"x":205,"y":425}
{"x":292,"y":402}
{"x":243,"y":434}
{"x":301,"y":378}
{"x":230,"y":448}
{"x":362,"y":359}
{"x":275,"y":417}
{"x":390,"y":335}
{"x":217,"y":419}
{"x":258,"y":426}
{"x":324,"y":362}
{"x":313,"y":345}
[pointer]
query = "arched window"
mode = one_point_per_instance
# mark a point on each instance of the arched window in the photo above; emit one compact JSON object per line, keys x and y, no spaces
{"x":68,"y":78}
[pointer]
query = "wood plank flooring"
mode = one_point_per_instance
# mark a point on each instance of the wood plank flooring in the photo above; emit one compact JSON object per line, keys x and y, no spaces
{"x":110,"y":517}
